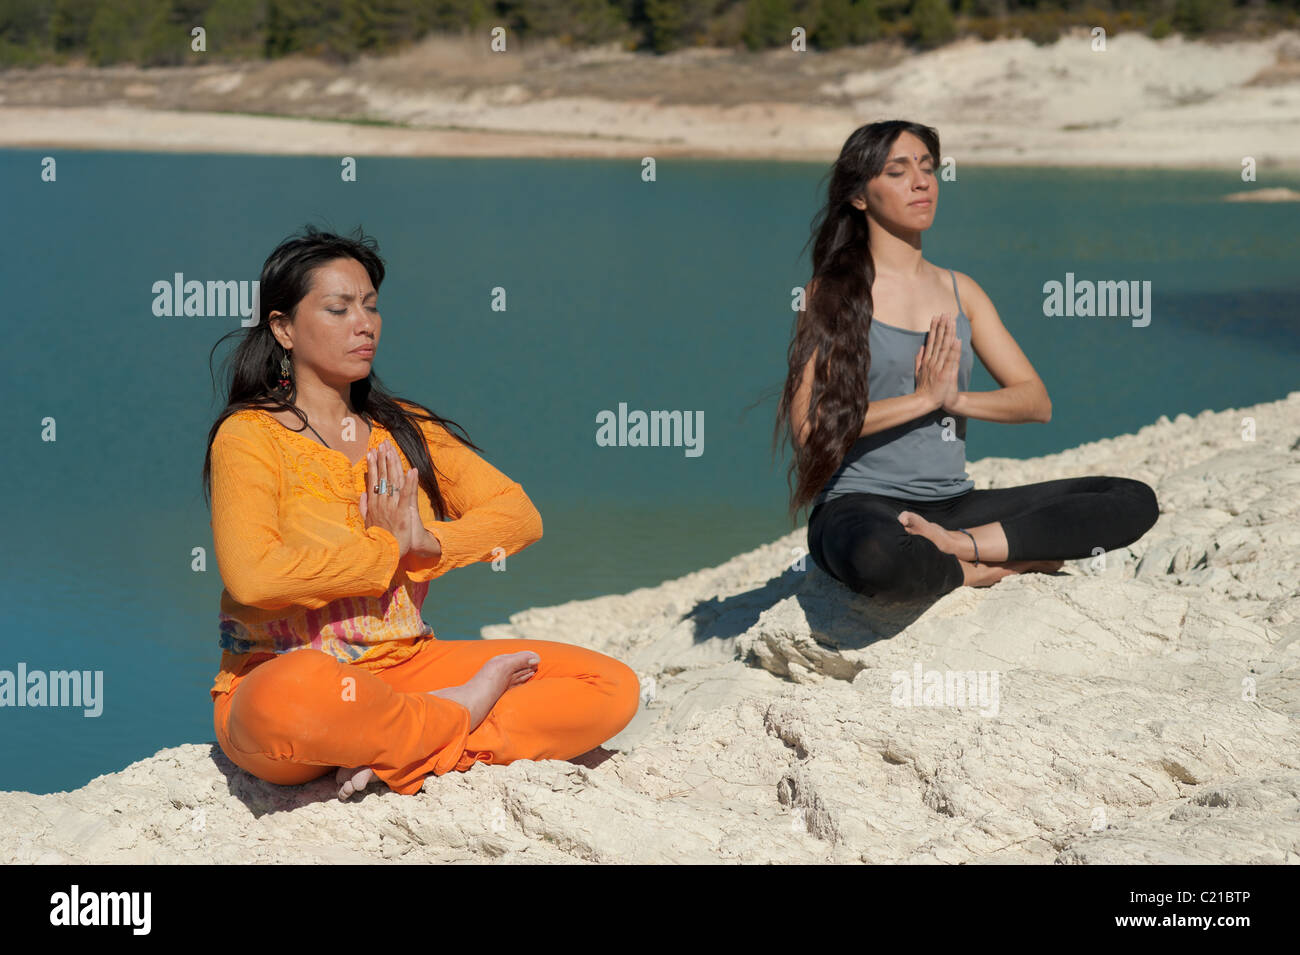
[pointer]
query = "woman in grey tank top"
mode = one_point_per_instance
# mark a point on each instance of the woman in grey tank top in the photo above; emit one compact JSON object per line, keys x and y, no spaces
{"x":876,"y":410}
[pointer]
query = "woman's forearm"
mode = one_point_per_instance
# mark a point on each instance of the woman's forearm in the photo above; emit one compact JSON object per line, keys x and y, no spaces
{"x":890,"y":412}
{"x":1015,"y":404}
{"x":493,"y":529}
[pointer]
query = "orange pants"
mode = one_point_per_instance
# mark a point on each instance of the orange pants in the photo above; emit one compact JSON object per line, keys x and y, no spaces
{"x":294,"y":717}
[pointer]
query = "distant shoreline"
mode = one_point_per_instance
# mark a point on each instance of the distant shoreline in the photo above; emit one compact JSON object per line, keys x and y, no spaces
{"x":128,"y":129}
{"x":1141,"y":103}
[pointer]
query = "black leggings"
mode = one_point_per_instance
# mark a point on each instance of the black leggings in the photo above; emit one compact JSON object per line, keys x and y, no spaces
{"x":858,"y":540}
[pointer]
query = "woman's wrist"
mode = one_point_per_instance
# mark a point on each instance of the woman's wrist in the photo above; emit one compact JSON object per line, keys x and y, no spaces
{"x":428,"y":546}
{"x":930,"y":403}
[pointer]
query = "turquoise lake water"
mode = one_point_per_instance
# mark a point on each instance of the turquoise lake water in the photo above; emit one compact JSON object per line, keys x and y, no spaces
{"x":671,"y":295}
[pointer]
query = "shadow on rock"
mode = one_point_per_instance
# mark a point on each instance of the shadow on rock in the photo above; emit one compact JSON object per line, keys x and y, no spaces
{"x":795,"y":624}
{"x":262,"y":797}
{"x":723,"y":618}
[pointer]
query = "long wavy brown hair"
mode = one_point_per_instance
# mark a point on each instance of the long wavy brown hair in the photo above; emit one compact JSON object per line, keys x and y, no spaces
{"x":836,"y":319}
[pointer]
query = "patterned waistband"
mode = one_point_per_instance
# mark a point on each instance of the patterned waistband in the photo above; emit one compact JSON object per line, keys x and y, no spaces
{"x":237,"y":639}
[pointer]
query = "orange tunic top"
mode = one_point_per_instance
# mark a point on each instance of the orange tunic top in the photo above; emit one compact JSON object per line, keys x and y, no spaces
{"x":299,"y":565}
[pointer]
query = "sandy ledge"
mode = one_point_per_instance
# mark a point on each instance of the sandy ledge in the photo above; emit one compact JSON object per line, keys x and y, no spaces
{"x":1141,"y":103}
{"x":1147,"y":711}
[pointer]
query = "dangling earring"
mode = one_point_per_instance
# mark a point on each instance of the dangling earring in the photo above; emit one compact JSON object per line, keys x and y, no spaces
{"x":285,"y":369}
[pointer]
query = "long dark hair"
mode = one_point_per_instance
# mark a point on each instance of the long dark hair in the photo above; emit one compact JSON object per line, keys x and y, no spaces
{"x":836,"y":318}
{"x":252,"y":378}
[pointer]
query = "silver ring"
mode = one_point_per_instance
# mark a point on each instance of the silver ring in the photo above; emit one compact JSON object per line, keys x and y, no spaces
{"x":382,"y":486}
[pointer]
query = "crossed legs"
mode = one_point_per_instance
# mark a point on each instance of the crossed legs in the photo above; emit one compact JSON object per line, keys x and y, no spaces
{"x":903,"y":550}
{"x":300,"y":715}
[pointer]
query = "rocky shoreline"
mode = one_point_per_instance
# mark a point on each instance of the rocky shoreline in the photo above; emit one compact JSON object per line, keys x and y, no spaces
{"x":1147,"y":711}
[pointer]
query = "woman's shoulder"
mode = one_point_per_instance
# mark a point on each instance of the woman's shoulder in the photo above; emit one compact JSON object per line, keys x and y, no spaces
{"x":247,"y":423}
{"x":974,"y":300}
{"x":964,"y":282}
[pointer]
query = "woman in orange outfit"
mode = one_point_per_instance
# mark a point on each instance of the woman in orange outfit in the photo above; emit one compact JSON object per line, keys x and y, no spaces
{"x":327,"y":535}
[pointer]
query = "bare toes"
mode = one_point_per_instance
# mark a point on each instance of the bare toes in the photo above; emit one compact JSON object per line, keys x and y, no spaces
{"x":519,"y":662}
{"x":354,"y":780}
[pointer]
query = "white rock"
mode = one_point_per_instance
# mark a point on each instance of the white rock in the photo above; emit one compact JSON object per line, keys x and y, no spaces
{"x":1146,"y":711}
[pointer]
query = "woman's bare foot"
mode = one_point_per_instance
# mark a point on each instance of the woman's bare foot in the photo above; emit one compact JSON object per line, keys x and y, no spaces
{"x":1034,"y":566}
{"x":478,"y":695}
{"x":353,"y":780}
{"x":986,"y":575}
{"x":983,"y":575}
{"x":950,"y":542}
{"x":485,"y":687}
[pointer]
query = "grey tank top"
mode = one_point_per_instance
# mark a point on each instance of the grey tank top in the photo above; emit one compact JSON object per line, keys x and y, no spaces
{"x":923,"y":459}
